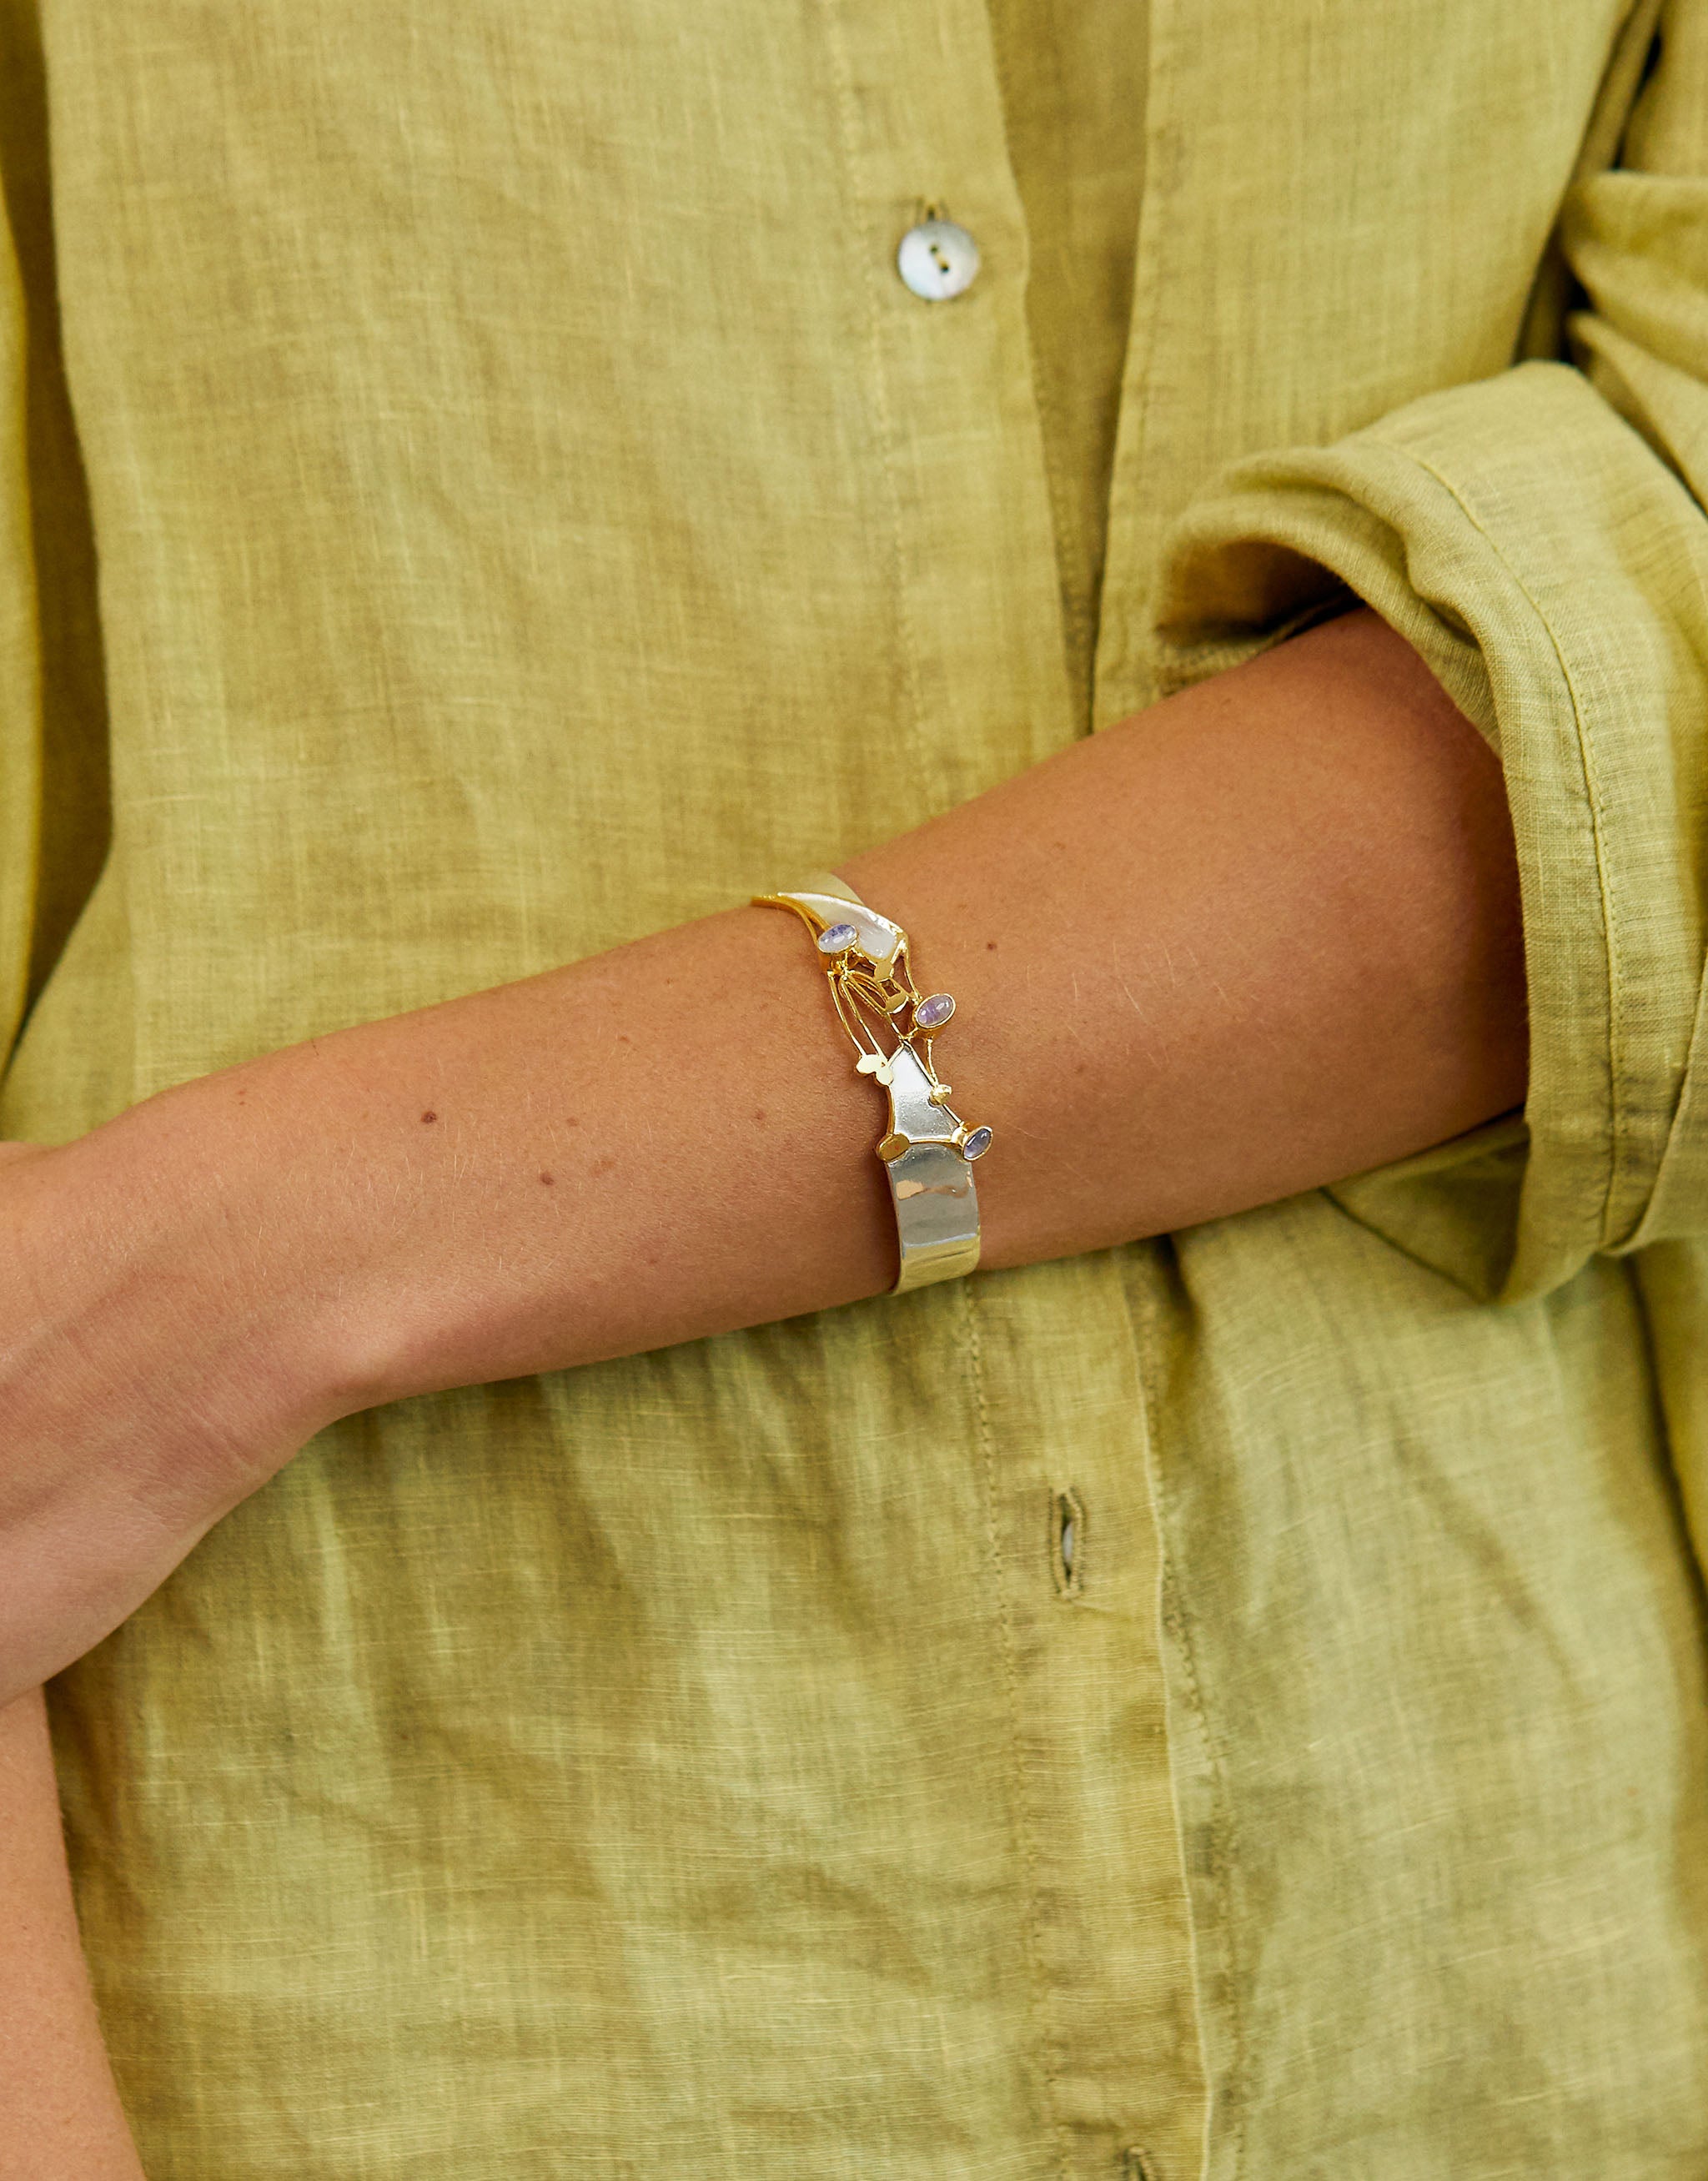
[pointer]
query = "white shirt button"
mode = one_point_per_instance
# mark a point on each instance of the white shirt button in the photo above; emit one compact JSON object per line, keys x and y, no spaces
{"x":937,"y":260}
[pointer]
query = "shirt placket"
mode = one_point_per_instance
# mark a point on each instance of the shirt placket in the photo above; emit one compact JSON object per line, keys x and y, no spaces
{"x":1055,"y":1403}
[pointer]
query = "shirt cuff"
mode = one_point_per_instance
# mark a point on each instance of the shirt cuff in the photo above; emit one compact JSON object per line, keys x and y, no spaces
{"x":1553,"y":572}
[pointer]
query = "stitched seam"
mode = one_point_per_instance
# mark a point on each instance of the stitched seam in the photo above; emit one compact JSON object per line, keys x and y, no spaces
{"x":1137,"y":390}
{"x":1222,"y":1867}
{"x":907,"y":631}
{"x":1611,"y":958}
{"x":974,"y":1349}
{"x":1078,"y":617}
{"x":1675,"y":1145}
{"x":1222,"y":1862}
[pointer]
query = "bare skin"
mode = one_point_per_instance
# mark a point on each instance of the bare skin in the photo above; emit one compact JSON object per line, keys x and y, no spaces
{"x":1262,"y":936}
{"x":60,"y":2118}
{"x":1259,"y":937}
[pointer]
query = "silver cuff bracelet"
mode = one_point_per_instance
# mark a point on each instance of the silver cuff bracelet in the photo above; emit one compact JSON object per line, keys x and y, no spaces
{"x":927,"y":1149}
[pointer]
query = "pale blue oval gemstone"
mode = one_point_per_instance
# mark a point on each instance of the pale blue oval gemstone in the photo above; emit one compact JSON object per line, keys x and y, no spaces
{"x":977,"y":1143}
{"x":933,"y":1013}
{"x":837,"y":939}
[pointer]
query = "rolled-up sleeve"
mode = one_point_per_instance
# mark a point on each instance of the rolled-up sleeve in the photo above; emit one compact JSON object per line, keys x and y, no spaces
{"x":1540,"y":537}
{"x":20,"y":700}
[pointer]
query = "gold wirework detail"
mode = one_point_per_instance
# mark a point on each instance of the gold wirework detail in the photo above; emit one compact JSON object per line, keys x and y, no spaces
{"x":927,"y":1149}
{"x":870,"y":988}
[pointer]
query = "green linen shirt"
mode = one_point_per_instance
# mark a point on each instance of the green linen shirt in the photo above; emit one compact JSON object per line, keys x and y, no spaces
{"x":476,"y":490}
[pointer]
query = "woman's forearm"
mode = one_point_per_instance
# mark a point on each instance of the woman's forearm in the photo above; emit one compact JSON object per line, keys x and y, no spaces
{"x":1260,"y":936}
{"x":60,"y":2118}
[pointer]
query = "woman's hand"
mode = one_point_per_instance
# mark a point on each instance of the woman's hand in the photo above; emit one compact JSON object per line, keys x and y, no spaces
{"x":140,"y":1398}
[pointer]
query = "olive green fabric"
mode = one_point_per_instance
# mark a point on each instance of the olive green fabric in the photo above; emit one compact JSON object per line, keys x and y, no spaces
{"x":477,"y":490}
{"x":1072,"y":73}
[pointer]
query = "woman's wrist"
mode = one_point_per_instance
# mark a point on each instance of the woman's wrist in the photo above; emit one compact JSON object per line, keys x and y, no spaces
{"x":607,"y":1157}
{"x":144,"y":1304}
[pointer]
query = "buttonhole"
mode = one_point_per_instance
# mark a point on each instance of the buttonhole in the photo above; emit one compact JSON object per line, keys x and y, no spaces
{"x":1067,"y":1540}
